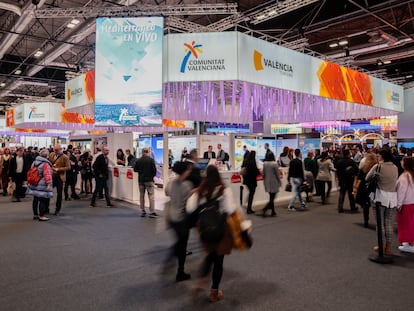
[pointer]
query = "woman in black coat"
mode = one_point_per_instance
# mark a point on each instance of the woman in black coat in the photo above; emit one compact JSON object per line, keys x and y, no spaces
{"x":250,"y":178}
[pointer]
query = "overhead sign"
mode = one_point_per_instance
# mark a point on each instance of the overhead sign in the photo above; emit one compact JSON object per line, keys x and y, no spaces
{"x":201,"y":56}
{"x":10,"y":117}
{"x":80,"y":91}
{"x":128,"y":84}
{"x":236,"y":56}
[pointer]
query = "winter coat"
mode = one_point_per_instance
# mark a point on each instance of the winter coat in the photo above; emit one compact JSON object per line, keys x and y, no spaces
{"x":45,"y":172}
{"x":271,"y":177}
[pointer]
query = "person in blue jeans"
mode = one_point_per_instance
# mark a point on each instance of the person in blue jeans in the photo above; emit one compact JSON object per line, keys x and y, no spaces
{"x":296,"y":176}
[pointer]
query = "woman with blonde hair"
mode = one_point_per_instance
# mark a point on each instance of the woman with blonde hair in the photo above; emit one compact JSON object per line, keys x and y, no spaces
{"x":360,"y":192}
{"x":405,"y":206}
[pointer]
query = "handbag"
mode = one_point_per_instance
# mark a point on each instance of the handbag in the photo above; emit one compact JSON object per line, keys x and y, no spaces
{"x":288,"y":187}
{"x":240,"y":231}
{"x":372,"y":184}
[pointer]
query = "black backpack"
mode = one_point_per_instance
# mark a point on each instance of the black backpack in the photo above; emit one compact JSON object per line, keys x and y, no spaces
{"x":226,"y":156}
{"x":211,"y":222}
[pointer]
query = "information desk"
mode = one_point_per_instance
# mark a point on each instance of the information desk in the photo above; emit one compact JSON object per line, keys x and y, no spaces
{"x":124,"y":182}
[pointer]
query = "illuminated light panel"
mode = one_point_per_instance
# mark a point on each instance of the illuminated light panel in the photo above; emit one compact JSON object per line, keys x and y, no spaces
{"x":324,"y":124}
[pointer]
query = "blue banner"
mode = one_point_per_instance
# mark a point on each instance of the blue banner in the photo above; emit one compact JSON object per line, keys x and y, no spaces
{"x":128,"y":84}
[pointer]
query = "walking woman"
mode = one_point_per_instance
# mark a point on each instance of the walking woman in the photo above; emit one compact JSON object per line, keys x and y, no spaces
{"x":250,"y":178}
{"x":386,"y":194}
{"x":179,"y":189}
{"x":325,"y":166}
{"x":272,"y":182}
{"x":6,"y":159}
{"x":360,"y":189}
{"x":43,"y":191}
{"x":213,"y":187}
{"x":405,"y":206}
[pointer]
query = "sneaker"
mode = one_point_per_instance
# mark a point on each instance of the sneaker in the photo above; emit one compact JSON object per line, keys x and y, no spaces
{"x":92,"y":205}
{"x":35,"y":217}
{"x":407,"y":248}
{"x":153,"y":215}
{"x":143,"y":214}
{"x":110,"y":205}
{"x":43,"y":218}
{"x":291,"y":209}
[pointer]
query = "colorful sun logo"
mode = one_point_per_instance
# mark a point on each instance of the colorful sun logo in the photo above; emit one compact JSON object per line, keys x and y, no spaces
{"x":190,"y":49}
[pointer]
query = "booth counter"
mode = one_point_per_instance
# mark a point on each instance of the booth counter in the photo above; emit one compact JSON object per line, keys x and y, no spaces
{"x":124,"y":182}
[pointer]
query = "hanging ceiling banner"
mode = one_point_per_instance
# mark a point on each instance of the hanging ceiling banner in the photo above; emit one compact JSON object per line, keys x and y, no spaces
{"x":80,"y":91}
{"x":128,"y":65}
{"x":201,"y":57}
{"x":265,"y":63}
{"x":10,"y":117}
{"x":233,"y":56}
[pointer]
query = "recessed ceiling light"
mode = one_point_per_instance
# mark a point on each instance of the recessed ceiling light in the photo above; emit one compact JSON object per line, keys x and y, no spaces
{"x":17,"y":72}
{"x":343,"y":42}
{"x":386,"y":62}
{"x":74,"y":21}
{"x":70,"y":25}
{"x":333,"y":45}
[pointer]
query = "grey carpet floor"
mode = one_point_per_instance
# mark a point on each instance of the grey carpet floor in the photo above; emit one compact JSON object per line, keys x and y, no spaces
{"x":110,"y":259}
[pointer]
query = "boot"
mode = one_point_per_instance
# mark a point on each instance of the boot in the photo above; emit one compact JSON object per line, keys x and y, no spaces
{"x":215,"y":295}
{"x":387,"y":249}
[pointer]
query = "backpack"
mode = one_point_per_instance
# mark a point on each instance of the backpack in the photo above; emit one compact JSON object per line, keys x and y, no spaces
{"x":211,"y":222}
{"x":33,"y":176}
{"x":226,"y":156}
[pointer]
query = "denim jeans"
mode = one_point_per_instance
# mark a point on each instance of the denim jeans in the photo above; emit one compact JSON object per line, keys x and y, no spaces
{"x":296,"y":183}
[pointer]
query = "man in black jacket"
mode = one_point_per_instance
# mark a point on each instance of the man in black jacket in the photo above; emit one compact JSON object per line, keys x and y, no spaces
{"x":146,"y":169}
{"x":71,"y":175}
{"x":100,"y":168}
{"x":346,"y":170}
{"x":296,"y":177}
{"x":18,"y":172}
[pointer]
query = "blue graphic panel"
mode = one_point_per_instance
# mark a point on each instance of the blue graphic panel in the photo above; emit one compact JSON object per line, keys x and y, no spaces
{"x":128,"y":83}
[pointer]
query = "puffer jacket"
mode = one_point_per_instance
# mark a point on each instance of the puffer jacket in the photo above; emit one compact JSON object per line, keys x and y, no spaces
{"x":45,"y":172}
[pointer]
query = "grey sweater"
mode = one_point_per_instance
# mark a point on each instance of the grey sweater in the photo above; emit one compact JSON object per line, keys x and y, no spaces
{"x":178,"y":191}
{"x":388,"y":176}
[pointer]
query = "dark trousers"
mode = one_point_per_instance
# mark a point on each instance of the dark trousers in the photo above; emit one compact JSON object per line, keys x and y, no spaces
{"x":86,"y":184}
{"x":58,"y":183}
{"x":179,"y":248}
{"x":101,"y":185}
{"x":271,"y":204}
{"x":344,"y":188}
{"x":71,"y":179}
{"x":4,"y":182}
{"x":252,"y":190}
{"x":321,"y":185}
{"x":40,"y":206}
{"x":217,"y":261}
{"x":18,"y":180}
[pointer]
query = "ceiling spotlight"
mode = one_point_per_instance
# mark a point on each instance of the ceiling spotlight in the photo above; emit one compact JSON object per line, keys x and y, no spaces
{"x":2,"y":84}
{"x":343,"y":42}
{"x":17,"y":72}
{"x":333,"y":45}
{"x":74,"y":21}
{"x":386,"y":62}
{"x":38,"y":53}
{"x":407,"y":77}
{"x":70,"y":25}
{"x":379,"y":62}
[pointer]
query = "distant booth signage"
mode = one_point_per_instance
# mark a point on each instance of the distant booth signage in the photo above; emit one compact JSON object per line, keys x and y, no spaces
{"x":80,"y":91}
{"x":128,"y":83}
